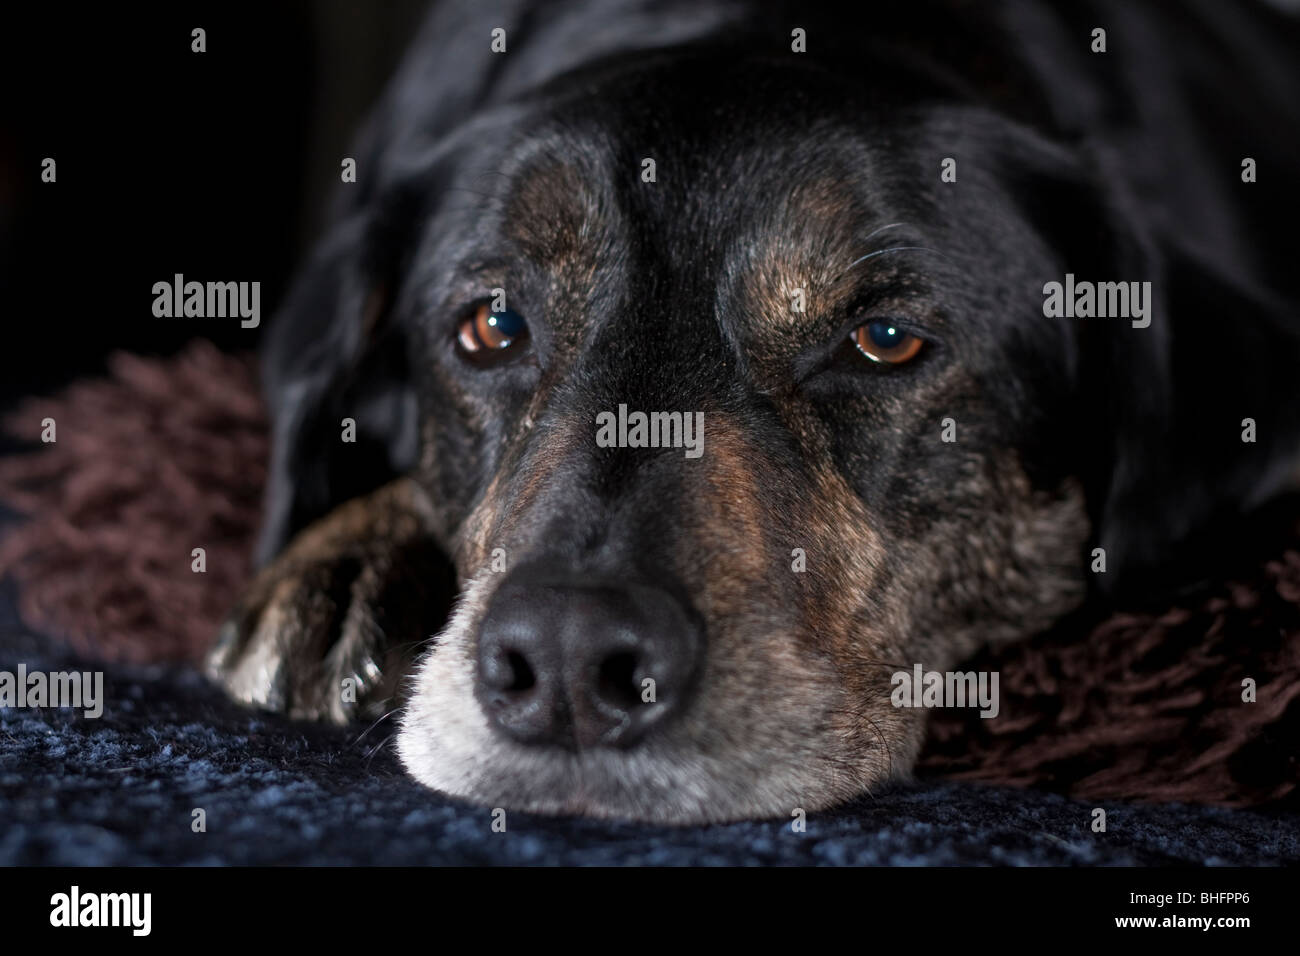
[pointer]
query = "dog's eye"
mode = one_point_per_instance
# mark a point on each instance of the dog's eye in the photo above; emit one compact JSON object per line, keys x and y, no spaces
{"x":485,"y":334}
{"x":883,"y":342}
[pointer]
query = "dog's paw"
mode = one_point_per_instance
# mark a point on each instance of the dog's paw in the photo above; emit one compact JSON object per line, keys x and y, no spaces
{"x":327,"y":630}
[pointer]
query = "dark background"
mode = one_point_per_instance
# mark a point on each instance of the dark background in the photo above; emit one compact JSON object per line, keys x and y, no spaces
{"x":217,"y":165}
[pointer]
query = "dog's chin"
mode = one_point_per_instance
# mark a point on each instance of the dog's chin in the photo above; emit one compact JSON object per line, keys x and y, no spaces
{"x":657,"y":783}
{"x":768,"y":763}
{"x":606,"y":785}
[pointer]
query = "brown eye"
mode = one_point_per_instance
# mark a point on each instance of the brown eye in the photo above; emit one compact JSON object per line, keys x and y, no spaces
{"x":485,"y":333}
{"x":883,"y":342}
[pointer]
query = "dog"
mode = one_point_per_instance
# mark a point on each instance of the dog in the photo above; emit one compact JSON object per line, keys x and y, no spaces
{"x":830,"y":235}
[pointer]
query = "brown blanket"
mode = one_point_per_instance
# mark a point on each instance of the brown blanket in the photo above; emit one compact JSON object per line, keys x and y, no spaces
{"x":169,"y":455}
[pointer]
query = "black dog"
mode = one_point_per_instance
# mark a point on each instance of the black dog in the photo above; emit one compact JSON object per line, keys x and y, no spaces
{"x":948,"y":310}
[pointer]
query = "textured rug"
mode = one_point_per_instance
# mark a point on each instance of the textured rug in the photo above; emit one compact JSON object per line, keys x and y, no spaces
{"x":123,"y":790}
{"x":162,"y":456}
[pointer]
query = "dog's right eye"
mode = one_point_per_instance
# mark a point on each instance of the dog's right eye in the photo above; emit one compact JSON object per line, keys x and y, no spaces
{"x":486,"y":336}
{"x":885,"y":343}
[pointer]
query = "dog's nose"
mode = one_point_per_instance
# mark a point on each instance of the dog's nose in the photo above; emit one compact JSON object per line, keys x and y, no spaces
{"x":582,"y":665}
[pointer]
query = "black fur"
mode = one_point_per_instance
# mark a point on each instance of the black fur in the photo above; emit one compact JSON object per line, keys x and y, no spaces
{"x":1126,"y":163}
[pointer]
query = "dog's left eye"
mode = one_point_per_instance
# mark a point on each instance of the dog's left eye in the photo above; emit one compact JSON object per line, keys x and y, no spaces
{"x":884,"y":342}
{"x":485,"y":334}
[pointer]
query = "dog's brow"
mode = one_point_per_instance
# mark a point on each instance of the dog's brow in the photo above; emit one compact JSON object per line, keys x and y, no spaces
{"x":551,"y":208}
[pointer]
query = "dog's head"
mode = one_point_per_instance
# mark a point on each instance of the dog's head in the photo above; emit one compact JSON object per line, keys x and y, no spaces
{"x":728,"y":407}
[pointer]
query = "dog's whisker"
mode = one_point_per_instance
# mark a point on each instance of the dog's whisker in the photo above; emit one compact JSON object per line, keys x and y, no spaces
{"x":370,"y":757}
{"x":879,"y":229}
{"x":377,"y":722}
{"x":884,"y":742}
{"x":859,"y":716}
{"x":881,"y":252}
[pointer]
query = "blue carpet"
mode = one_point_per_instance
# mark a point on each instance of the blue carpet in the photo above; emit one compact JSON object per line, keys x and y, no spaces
{"x":121,"y":789}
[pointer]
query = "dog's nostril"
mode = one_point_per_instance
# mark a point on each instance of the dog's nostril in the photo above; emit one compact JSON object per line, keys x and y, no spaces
{"x":616,"y":682}
{"x":562,"y":664}
{"x":522,"y":677}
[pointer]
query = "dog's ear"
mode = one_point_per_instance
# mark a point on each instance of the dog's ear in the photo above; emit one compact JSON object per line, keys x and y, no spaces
{"x":332,"y":352}
{"x":1203,"y":413}
{"x":332,"y":355}
{"x":1180,"y":428}
{"x":1188,"y":418}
